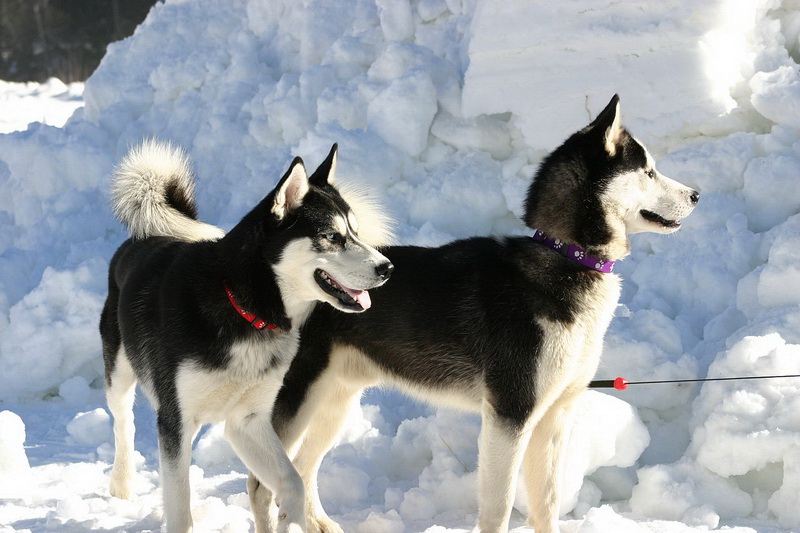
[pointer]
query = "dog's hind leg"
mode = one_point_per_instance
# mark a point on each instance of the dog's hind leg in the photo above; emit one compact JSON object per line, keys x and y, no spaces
{"x":253,"y":439}
{"x":502,"y":445}
{"x":120,"y":395}
{"x":175,"y":438}
{"x":542,"y":464}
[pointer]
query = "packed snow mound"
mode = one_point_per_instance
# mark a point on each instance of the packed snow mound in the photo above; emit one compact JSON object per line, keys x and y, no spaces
{"x":443,"y":109}
{"x":15,"y":470}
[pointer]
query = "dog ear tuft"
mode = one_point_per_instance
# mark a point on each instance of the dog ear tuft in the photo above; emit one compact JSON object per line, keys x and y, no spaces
{"x":291,"y":190}
{"x":609,"y":122}
{"x":326,"y":173}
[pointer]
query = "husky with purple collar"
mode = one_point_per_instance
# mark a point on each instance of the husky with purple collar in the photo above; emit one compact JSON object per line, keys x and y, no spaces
{"x":209,"y":322}
{"x":509,"y":327}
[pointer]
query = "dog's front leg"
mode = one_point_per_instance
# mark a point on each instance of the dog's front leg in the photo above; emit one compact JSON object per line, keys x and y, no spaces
{"x":502,"y":444}
{"x":262,"y":504}
{"x":257,"y":445}
{"x":175,"y":451}
{"x":542,"y":465}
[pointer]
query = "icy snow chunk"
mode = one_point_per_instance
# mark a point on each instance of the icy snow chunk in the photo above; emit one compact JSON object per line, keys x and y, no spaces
{"x":343,"y":105}
{"x":604,"y":519}
{"x":767,"y":182}
{"x":389,"y":522}
{"x":342,"y":485}
{"x":606,"y":431}
{"x":15,"y":471}
{"x":703,"y":515}
{"x":417,"y":505}
{"x":776,"y":95}
{"x":75,"y":390}
{"x":429,"y":10}
{"x":213,"y":450}
{"x":52,"y":334}
{"x":745,"y":426}
{"x":403,"y":112}
{"x":716,"y":165}
{"x":91,"y":428}
{"x":779,"y":281}
{"x":481,"y":133}
{"x":685,"y":490}
{"x":73,"y":507}
{"x":784,"y":502}
{"x":397,"y":20}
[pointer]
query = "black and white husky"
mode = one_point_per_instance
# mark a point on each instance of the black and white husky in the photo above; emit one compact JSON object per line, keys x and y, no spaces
{"x":509,"y":327}
{"x":208,"y":323}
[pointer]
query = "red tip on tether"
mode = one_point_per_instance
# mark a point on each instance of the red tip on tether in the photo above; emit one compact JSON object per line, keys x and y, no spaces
{"x":620,"y":383}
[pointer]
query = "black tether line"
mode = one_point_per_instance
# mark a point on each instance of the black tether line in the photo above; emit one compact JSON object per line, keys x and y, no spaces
{"x":622,"y":383}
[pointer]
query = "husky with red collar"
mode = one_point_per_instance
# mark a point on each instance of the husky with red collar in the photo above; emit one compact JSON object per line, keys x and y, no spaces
{"x":208,"y":323}
{"x":509,"y":327}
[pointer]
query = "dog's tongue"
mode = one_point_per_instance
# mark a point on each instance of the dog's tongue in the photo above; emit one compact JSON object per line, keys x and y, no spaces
{"x":362,"y":297}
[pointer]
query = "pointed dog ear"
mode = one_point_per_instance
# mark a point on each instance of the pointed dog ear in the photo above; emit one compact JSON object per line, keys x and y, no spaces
{"x":291,"y":190}
{"x":326,"y":173}
{"x":609,"y":123}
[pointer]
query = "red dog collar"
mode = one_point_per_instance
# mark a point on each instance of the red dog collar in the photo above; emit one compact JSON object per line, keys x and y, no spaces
{"x":250,"y":317}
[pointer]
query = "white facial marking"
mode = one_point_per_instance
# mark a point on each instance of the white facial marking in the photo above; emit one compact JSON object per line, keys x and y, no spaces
{"x":351,"y":218}
{"x":646,"y":200}
{"x":340,"y":225}
{"x":354,"y":266}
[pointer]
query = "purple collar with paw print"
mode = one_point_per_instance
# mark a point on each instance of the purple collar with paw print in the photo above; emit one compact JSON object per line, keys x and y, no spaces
{"x":576,"y":253}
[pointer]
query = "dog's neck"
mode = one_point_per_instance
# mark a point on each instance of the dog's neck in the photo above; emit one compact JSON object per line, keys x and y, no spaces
{"x":254,"y":320}
{"x":574,"y":252}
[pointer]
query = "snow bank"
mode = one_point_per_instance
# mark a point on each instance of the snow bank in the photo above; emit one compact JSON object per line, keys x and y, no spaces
{"x":15,"y":471}
{"x":52,"y":332}
{"x":444,"y":108}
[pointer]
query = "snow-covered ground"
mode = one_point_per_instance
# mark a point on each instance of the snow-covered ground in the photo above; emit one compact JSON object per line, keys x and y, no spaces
{"x":49,"y":103}
{"x":444,"y":108}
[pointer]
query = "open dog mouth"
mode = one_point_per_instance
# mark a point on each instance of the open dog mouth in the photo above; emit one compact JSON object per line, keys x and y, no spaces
{"x":658,"y":219}
{"x":355,"y":299}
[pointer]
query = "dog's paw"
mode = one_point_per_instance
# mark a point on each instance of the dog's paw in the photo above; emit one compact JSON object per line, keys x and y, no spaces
{"x":289,"y":525}
{"x":120,"y":486}
{"x":323,"y":524}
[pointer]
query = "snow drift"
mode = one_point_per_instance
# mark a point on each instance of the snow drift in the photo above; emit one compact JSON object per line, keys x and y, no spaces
{"x":444,"y":108}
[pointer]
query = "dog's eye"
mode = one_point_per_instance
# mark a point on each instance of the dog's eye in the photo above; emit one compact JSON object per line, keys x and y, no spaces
{"x":651,"y":173}
{"x":333,"y":238}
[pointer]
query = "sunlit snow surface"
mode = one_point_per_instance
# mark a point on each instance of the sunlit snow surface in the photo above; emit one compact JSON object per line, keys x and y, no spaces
{"x":444,"y":108}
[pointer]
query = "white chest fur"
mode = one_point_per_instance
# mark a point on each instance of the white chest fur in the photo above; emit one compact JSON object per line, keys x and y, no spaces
{"x":571,"y":351}
{"x":251,"y":380}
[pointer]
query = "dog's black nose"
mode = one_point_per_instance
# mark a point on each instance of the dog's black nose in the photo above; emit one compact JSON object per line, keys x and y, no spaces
{"x":384,"y":270}
{"x":695,"y":197}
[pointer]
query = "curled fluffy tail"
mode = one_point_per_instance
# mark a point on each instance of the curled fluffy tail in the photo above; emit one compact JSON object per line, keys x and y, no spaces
{"x":153,"y":194}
